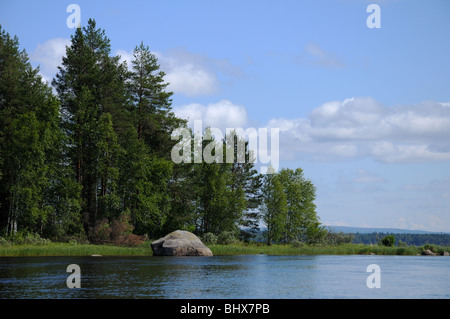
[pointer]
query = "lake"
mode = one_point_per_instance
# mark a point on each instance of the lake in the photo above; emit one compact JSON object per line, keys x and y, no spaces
{"x":236,"y":277}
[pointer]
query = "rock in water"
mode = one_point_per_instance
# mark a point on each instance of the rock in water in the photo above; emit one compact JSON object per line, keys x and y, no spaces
{"x":180,"y":243}
{"x":428,"y":252}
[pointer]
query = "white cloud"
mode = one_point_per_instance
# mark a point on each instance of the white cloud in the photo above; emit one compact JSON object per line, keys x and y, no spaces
{"x":314,"y":55}
{"x":390,"y":152}
{"x":360,"y":127}
{"x":188,"y":73}
{"x":49,"y":56}
{"x":194,"y":74}
{"x":223,"y":114}
{"x":191,"y":80}
{"x":125,"y":56}
{"x":365,"y":177}
{"x":191,"y":74}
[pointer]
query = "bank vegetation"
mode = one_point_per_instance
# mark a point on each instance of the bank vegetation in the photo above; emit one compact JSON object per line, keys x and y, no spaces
{"x":36,"y":246}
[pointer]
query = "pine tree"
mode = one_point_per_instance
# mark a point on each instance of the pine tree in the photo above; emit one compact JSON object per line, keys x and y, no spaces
{"x":92,"y":90}
{"x":228,"y":194}
{"x":214,"y":200}
{"x":183,"y":190}
{"x":109,"y":152}
{"x":245,"y":185}
{"x":152,"y":103}
{"x":148,"y":149}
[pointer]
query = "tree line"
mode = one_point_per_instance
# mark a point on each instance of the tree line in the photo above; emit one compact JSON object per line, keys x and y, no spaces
{"x":402,"y":238}
{"x":93,"y":161}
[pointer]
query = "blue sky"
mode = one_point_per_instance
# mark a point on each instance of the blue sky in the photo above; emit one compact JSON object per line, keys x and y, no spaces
{"x":365,"y":112}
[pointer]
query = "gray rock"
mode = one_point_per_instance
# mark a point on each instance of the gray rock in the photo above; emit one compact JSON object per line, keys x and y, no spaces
{"x":446,"y":253}
{"x":428,"y":252}
{"x":180,"y":243}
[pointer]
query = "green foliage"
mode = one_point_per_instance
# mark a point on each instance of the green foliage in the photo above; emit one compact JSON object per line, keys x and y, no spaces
{"x":213,"y":194}
{"x":246,"y":184}
{"x":209,"y":239}
{"x":4,"y":242}
{"x":94,"y":162}
{"x":338,"y":238}
{"x":301,"y":248}
{"x":388,"y":241}
{"x":401,"y":244}
{"x":274,"y":208}
{"x":224,"y":196}
{"x":118,"y":232}
{"x":433,"y":248}
{"x":92,"y":90}
{"x":226,"y":238}
{"x":31,"y":148}
{"x":118,"y":123}
{"x":409,"y":239}
{"x":101,"y":232}
{"x":67,"y":249}
{"x":316,"y":234}
{"x":24,"y":237}
{"x":75,"y":239}
{"x":289,"y":209}
{"x":297,"y":243}
{"x":152,"y":114}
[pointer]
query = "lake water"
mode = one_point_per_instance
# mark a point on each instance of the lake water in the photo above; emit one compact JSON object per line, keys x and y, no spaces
{"x":236,"y":277}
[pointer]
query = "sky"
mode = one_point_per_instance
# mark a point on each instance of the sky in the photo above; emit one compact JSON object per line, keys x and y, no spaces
{"x":365,"y":112}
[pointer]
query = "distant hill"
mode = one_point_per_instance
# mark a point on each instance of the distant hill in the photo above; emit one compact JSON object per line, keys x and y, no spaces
{"x":364,"y":230}
{"x":372,"y":236}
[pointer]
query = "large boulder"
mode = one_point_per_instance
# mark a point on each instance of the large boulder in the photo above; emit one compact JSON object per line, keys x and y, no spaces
{"x":428,"y":252}
{"x":180,"y":243}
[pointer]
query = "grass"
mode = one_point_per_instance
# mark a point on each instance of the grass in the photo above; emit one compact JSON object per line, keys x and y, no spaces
{"x":346,"y":249}
{"x":68,"y":249}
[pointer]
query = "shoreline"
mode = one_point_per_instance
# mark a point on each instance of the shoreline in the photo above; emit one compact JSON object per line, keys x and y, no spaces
{"x":67,"y":249}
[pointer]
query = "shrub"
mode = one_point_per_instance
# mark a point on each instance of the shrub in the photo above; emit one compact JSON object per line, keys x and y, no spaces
{"x":18,"y":237}
{"x":25,"y":237}
{"x":132,"y":240}
{"x":101,"y":232}
{"x":35,"y":239}
{"x":433,"y":248}
{"x":76,"y":239}
{"x":401,"y":244}
{"x":226,"y":238}
{"x":209,"y":238}
{"x":120,"y":230}
{"x":4,"y":242}
{"x":297,"y":243}
{"x":338,"y":238}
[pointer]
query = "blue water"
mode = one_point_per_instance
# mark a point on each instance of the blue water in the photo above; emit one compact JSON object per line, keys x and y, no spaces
{"x":249,"y":277}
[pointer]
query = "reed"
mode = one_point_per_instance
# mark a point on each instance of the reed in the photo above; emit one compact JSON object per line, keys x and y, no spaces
{"x":70,"y":249}
{"x":345,"y":249}
{"x":66,"y":249}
